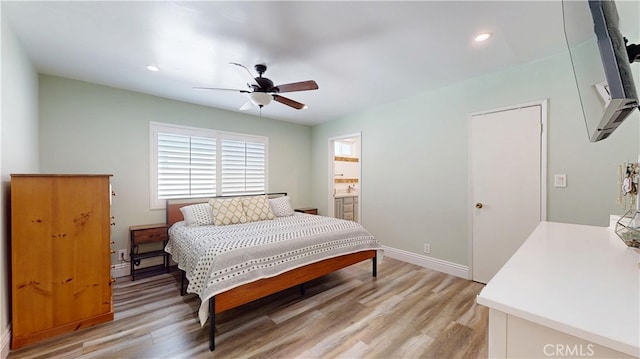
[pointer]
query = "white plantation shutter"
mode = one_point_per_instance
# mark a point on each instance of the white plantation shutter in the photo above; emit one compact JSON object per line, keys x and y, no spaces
{"x":191,"y":162}
{"x":203,"y":166}
{"x":243,"y":167}
{"x":173,"y":165}
{"x":186,"y":166}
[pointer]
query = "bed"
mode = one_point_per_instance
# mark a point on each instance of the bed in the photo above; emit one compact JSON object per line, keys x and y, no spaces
{"x":230,"y":264}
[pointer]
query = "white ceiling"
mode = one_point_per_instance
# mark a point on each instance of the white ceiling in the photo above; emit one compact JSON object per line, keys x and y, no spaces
{"x":360,"y":53}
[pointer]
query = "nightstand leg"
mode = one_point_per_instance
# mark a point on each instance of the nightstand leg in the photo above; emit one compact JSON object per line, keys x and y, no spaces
{"x":166,"y":256}
{"x":133,"y":272}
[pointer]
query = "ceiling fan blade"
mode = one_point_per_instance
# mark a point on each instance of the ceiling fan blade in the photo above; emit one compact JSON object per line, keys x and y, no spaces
{"x":289,"y":102}
{"x":253,"y":81}
{"x":247,"y":105}
{"x":297,"y":86}
{"x":221,"y":89}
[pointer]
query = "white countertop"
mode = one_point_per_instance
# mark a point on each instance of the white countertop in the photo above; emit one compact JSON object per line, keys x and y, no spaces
{"x":348,"y":194}
{"x":581,"y":280}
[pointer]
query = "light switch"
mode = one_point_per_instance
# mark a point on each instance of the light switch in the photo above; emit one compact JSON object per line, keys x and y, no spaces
{"x":560,"y":180}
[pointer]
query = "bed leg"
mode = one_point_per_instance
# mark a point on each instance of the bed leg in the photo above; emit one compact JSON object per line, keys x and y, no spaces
{"x":182,"y":276}
{"x":212,"y":323}
{"x":374,"y":262}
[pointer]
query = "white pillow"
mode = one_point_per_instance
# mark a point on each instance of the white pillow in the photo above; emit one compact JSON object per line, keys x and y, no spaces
{"x":197,"y":214}
{"x":227,"y":211}
{"x":257,"y":208}
{"x":281,"y":206}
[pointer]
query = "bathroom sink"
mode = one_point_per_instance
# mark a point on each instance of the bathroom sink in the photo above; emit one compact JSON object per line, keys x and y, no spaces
{"x":340,"y":195}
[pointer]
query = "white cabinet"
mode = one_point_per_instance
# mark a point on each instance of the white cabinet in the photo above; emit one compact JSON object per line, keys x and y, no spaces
{"x":569,"y":291}
{"x":346,"y":208}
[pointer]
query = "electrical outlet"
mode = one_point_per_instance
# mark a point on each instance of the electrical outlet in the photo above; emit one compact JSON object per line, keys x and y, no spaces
{"x":122,"y":255}
{"x":427,"y":248}
{"x":560,"y":180}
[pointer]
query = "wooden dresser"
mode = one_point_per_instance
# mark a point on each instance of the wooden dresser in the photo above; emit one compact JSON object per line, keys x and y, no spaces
{"x":60,"y":255}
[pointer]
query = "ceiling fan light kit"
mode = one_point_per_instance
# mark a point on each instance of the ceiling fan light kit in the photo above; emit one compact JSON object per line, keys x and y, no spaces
{"x":260,"y":98}
{"x":263,"y":91}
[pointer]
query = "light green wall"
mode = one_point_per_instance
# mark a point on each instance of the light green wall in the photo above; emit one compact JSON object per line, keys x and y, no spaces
{"x":415,"y":183}
{"x":88,"y":128}
{"x":414,"y":151}
{"x":18,"y":146}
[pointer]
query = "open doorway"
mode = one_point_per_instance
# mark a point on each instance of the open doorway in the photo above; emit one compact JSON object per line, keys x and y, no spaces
{"x":345,"y":177}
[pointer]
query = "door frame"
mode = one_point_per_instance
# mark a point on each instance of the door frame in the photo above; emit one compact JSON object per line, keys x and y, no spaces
{"x":543,"y":169}
{"x":331,"y":177}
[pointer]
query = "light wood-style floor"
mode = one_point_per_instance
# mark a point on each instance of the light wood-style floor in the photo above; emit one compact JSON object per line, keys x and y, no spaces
{"x":406,"y":312}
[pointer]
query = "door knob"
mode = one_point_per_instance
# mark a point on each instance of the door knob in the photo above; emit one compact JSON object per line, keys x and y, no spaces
{"x":478,"y":205}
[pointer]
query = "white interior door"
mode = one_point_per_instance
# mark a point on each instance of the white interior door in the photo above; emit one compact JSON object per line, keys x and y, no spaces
{"x":506,"y":184}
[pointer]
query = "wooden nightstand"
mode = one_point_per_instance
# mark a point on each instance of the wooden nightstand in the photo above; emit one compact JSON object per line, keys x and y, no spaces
{"x":148,"y":234}
{"x":308,"y":210}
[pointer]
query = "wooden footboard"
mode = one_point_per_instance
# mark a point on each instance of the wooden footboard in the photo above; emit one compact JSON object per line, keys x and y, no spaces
{"x":261,"y":288}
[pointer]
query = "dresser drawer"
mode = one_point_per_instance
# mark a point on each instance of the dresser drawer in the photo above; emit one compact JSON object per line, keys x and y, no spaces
{"x":348,"y":208}
{"x":149,"y":235}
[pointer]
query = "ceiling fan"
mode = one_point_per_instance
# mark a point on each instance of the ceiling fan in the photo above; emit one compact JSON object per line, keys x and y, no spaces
{"x":262,"y":91}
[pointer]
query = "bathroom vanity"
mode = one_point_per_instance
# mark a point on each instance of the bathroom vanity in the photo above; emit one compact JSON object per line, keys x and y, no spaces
{"x":346,"y":206}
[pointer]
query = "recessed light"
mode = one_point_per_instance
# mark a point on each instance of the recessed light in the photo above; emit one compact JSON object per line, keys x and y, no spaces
{"x":483,"y":37}
{"x":153,"y":68}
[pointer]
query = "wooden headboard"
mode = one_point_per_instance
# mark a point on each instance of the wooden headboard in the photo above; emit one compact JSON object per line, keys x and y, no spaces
{"x":173,"y":205}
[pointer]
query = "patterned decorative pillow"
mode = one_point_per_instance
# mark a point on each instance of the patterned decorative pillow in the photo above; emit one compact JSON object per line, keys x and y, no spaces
{"x":197,"y":214}
{"x":281,"y":206}
{"x":257,"y":208}
{"x":227,"y":211}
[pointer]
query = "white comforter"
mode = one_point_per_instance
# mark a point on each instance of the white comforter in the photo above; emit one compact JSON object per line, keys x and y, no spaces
{"x":219,"y":258}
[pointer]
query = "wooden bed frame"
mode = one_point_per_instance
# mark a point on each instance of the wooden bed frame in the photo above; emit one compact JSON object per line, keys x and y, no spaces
{"x":263,"y":287}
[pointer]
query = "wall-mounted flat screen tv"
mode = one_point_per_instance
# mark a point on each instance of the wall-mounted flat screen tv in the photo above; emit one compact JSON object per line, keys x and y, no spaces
{"x":601,"y":59}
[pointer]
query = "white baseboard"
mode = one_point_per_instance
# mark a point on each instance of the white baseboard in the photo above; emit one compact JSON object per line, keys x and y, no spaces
{"x":439,"y":265}
{"x":4,"y":346}
{"x":120,"y":270}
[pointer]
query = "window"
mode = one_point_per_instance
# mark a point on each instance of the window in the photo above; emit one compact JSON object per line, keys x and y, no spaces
{"x":243,"y":167}
{"x":192,"y":162}
{"x":343,"y":148}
